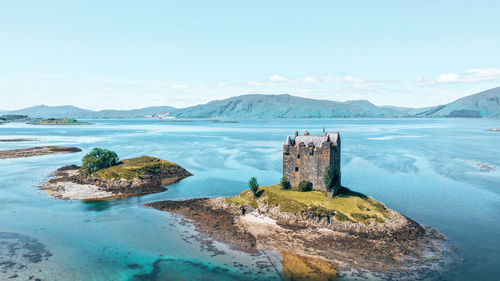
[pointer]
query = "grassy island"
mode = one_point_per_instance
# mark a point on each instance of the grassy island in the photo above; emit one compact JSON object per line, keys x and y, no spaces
{"x":317,"y":235}
{"x":56,"y":121}
{"x":104,"y":176}
{"x":346,"y":206}
{"x":135,"y":168}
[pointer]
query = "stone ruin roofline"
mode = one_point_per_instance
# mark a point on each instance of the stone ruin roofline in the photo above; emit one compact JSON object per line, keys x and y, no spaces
{"x":315,"y":140}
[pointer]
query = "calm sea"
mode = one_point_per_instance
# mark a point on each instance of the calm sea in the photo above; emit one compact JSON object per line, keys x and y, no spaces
{"x":443,"y":173}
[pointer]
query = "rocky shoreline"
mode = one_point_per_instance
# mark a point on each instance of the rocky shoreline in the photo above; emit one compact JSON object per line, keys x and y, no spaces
{"x":19,"y":140}
{"x":68,"y":184}
{"x":400,"y":248}
{"x":37,"y":151}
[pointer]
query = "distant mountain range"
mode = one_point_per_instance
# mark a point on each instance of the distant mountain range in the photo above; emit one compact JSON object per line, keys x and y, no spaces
{"x":483,"y":104}
{"x":43,"y":111}
{"x":283,"y":106}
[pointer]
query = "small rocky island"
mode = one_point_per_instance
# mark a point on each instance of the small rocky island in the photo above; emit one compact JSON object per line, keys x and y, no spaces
{"x":19,"y":140}
{"x":56,"y":121}
{"x":320,"y":227}
{"x":103,"y":177}
{"x":40,"y":121}
{"x":37,"y":151}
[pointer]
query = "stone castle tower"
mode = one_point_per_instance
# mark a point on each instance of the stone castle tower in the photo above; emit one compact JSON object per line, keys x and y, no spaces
{"x":307,"y":157}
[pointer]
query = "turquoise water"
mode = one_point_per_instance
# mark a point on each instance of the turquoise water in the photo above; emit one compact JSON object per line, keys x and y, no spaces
{"x":442,"y":173}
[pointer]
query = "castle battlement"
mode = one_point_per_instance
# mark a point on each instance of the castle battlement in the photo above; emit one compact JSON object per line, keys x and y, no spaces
{"x":308,"y":158}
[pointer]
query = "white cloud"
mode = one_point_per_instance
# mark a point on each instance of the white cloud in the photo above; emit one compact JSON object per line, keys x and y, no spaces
{"x":308,"y":79}
{"x":178,"y":86}
{"x":277,"y":78}
{"x":448,"y":78}
{"x":356,"y":83}
{"x":91,"y":89}
{"x":347,"y":80}
{"x":255,"y":83}
{"x":478,"y":74}
{"x":470,"y":76}
{"x":302,"y":91}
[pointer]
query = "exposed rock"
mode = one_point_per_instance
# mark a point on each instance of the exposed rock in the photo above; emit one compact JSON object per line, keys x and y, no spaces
{"x":396,"y":249}
{"x":18,"y":140}
{"x":20,"y":254}
{"x":216,"y":222}
{"x":37,"y":151}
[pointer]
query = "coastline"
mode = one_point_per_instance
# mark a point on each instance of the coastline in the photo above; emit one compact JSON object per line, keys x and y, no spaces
{"x":403,"y":249}
{"x":37,"y":151}
{"x":68,"y":184}
{"x":19,"y":140}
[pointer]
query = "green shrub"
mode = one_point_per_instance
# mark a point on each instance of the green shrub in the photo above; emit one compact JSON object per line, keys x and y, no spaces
{"x":328,"y":178}
{"x":253,"y":185}
{"x":97,"y":159}
{"x":304,"y":186}
{"x":285,"y":184}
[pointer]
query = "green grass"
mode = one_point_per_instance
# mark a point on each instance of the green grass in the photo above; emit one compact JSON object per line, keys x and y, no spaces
{"x":134,"y":168}
{"x":347,"y":206}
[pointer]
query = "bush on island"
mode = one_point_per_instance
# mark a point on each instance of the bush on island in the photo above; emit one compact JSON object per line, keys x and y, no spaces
{"x":304,"y":186}
{"x":285,"y":184}
{"x":253,"y":185}
{"x":328,"y":178}
{"x":97,"y":159}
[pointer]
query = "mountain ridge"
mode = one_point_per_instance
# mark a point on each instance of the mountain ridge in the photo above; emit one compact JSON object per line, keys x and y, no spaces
{"x":62,"y":111}
{"x":482,"y":104}
{"x":283,"y":106}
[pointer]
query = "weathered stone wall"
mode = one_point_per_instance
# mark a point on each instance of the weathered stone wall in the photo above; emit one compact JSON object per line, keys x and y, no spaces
{"x":335,"y":164}
{"x":309,"y":163}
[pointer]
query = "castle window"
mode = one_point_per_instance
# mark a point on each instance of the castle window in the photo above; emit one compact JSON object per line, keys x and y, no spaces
{"x":298,"y":156}
{"x":296,"y":169}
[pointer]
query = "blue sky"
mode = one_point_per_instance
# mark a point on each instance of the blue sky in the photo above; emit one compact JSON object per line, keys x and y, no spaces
{"x":129,"y":54}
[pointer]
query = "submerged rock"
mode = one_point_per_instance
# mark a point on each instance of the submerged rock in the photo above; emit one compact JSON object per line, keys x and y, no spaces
{"x":298,"y":268}
{"x":20,"y":254}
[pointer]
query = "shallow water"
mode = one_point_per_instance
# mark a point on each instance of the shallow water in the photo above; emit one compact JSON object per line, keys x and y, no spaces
{"x":442,"y":173}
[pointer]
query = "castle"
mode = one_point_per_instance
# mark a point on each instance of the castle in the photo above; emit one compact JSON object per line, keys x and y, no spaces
{"x":308,"y":158}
